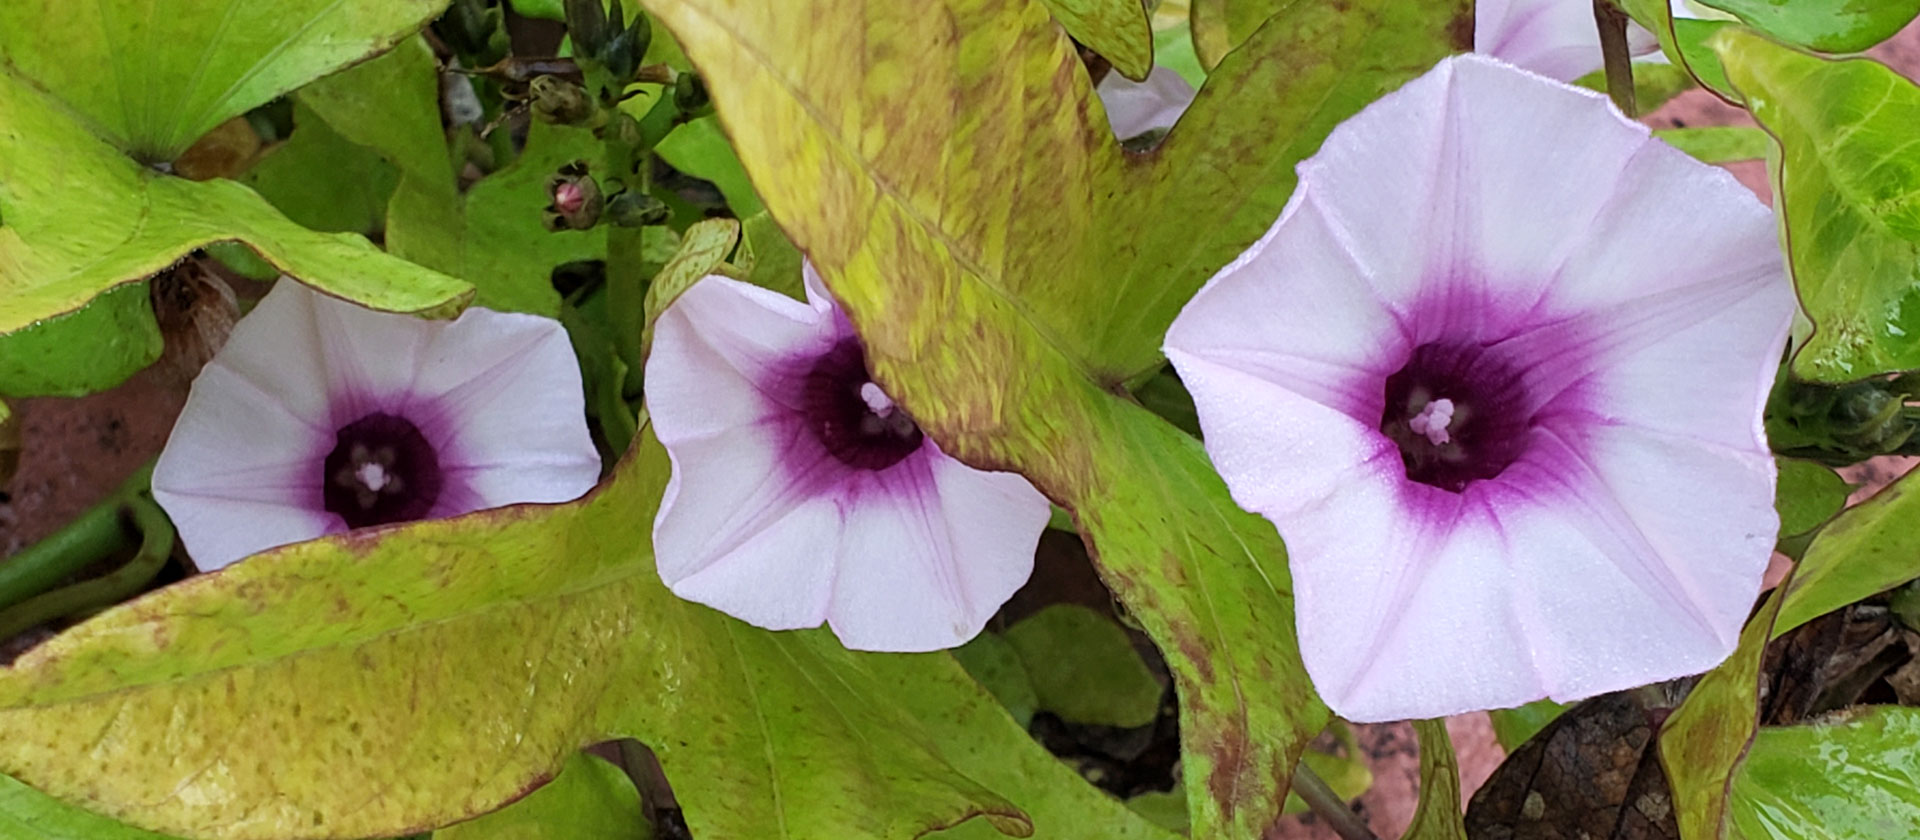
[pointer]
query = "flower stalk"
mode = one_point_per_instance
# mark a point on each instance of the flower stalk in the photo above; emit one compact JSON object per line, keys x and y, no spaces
{"x":1616,"y":53}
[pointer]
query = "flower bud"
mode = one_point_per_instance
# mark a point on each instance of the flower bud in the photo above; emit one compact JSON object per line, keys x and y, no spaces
{"x":576,"y":199}
{"x":690,"y":96}
{"x":632,"y":208}
{"x":556,"y":100}
{"x":587,"y":26}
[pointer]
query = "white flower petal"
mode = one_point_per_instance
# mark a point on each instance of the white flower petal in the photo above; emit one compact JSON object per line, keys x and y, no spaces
{"x":1404,"y":599}
{"x":931,"y":550}
{"x":1135,"y":108}
{"x":1555,"y":38}
{"x":506,"y":400}
{"x":278,"y":348}
{"x":776,"y":572}
{"x":1688,"y":224}
{"x":371,"y":357}
{"x":746,"y":525}
{"x":1295,"y":310}
{"x":207,"y":525}
{"x":1637,"y":577}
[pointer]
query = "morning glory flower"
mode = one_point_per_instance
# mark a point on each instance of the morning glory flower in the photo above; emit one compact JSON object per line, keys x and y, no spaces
{"x":1138,"y":108}
{"x":1496,"y":374}
{"x":319,"y":416}
{"x":1555,"y":38}
{"x":802,"y":494}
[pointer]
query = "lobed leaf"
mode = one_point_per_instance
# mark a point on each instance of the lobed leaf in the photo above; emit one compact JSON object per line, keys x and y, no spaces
{"x":151,"y":76}
{"x":397,"y":679}
{"x":1847,"y":186}
{"x":491,"y":234}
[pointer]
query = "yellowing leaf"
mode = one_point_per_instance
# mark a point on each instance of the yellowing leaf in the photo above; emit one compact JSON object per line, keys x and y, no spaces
{"x":384,"y":681}
{"x":1007,"y":265}
{"x":590,"y":800}
{"x":1118,"y":30}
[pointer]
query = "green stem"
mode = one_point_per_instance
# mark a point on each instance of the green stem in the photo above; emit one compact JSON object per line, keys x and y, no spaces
{"x":1616,"y":53}
{"x":95,"y":535}
{"x":156,"y":545}
{"x":1328,"y":805}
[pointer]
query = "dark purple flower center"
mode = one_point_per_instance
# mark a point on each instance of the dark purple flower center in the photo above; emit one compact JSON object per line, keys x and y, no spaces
{"x":381,"y":470}
{"x":1459,"y":413}
{"x":849,"y":414}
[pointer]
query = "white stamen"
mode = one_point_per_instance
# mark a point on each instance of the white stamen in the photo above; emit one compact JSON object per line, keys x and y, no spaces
{"x":877,"y":400}
{"x":1433,"y":420}
{"x":372,"y":475}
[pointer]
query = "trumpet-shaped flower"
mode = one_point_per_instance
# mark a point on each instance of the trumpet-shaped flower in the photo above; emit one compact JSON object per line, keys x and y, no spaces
{"x":1137,"y":108}
{"x":1496,"y":374}
{"x":1556,"y":38}
{"x":320,"y":416}
{"x":801,"y":493}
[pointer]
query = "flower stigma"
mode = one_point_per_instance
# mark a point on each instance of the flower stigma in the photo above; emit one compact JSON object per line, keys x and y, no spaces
{"x":381,"y":470}
{"x":1473,"y":432}
{"x":851,"y":416}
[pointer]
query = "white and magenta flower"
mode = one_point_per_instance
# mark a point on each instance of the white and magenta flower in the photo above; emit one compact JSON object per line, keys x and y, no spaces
{"x":1137,"y":108}
{"x":1555,"y":38}
{"x":802,"y":494}
{"x":320,"y":416}
{"x":1496,"y":374}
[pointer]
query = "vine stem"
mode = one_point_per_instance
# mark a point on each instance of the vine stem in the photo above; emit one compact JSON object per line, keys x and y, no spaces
{"x":1328,"y":805}
{"x":1616,"y":53}
{"x":98,"y":533}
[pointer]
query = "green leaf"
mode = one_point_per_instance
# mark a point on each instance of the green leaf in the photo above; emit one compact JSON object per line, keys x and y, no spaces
{"x":152,"y":76}
{"x":1825,"y":25}
{"x":996,"y":666}
{"x":1438,"y":817}
{"x":1848,"y":188}
{"x":1173,"y":49}
{"x":90,"y":349}
{"x":1704,"y":741}
{"x":1006,"y":264}
{"x":1513,"y":727}
{"x":1854,"y":777}
{"x":699,"y":148}
{"x":769,"y":256}
{"x":1084,"y":668}
{"x":1118,"y":30}
{"x":28,"y":814}
{"x":1653,"y":84}
{"x":1809,"y":494}
{"x":492,"y":234}
{"x":1866,"y":550}
{"x":77,"y":219}
{"x":589,"y":800}
{"x":1685,"y":42}
{"x":703,"y":248}
{"x":376,"y":682}
{"x":303,"y":178}
{"x":1719,"y":143}
{"x":975,"y":734}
